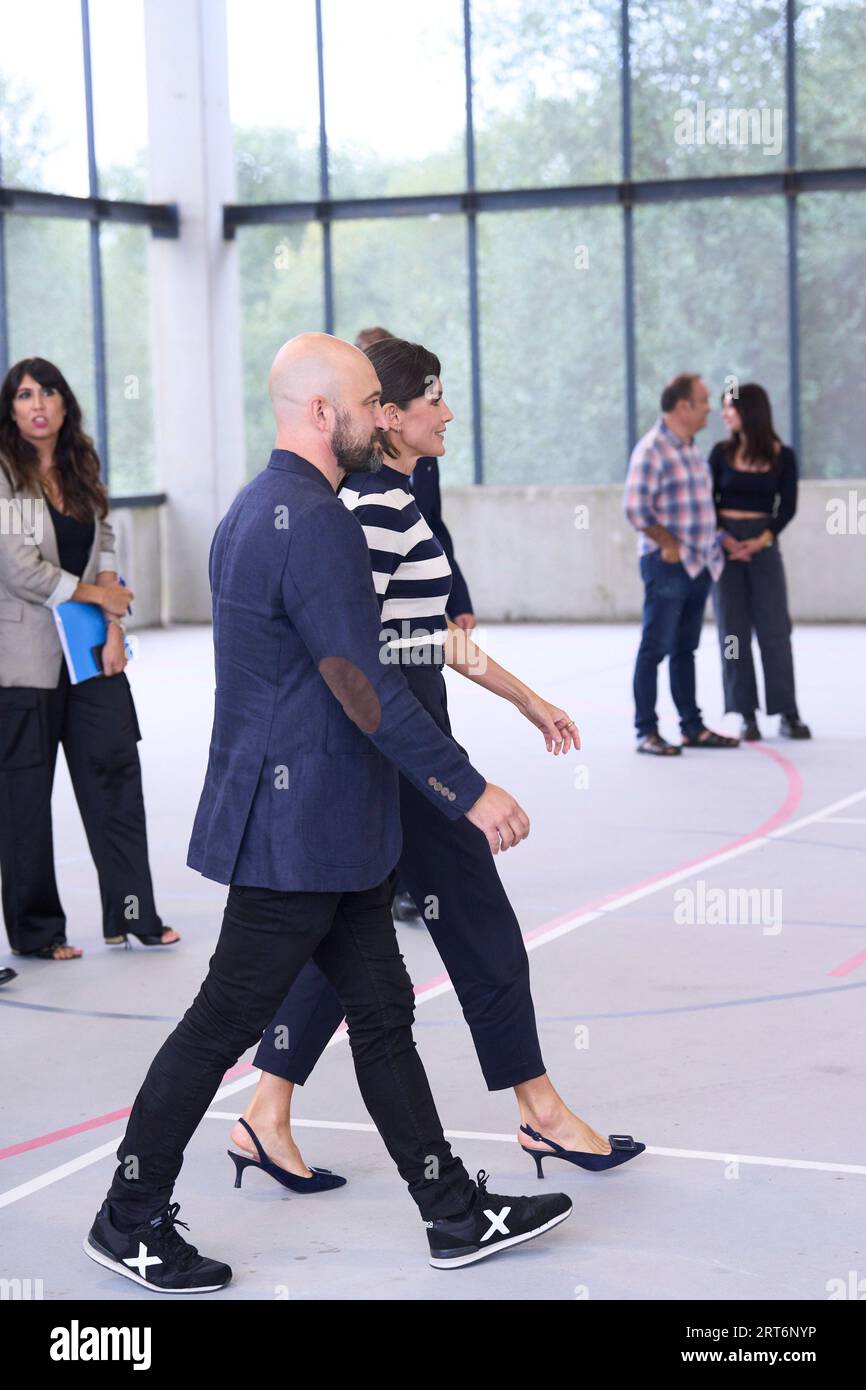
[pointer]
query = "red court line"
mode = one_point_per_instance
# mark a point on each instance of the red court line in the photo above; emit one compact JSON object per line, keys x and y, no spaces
{"x":785,"y":811}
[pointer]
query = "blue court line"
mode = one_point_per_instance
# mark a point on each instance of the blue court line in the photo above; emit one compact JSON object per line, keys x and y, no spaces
{"x":700,"y":1008}
{"x":88,"y":1013}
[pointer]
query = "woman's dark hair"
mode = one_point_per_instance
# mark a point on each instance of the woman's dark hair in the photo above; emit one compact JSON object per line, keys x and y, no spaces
{"x":75,"y":457}
{"x":406,"y":371}
{"x":757,"y":437}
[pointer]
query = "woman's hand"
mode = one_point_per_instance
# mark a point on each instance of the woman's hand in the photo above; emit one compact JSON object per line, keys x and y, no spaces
{"x":114,"y":597}
{"x":559,"y":729}
{"x":113,"y":652}
{"x":752,"y":546}
{"x":465,"y":621}
{"x":735,"y":549}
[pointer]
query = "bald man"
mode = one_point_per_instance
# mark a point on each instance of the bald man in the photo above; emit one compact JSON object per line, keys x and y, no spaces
{"x":300,"y":816}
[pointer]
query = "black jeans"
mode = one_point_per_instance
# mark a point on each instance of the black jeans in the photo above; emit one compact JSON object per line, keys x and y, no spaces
{"x":673,"y":615}
{"x":266,"y":937}
{"x":751,"y":596}
{"x":97,"y":725}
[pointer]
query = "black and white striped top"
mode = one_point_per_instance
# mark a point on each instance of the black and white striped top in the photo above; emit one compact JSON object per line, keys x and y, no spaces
{"x":411,"y":574}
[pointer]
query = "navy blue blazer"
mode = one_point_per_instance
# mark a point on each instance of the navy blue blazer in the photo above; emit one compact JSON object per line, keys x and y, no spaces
{"x":301,"y":789}
{"x":425,"y":485}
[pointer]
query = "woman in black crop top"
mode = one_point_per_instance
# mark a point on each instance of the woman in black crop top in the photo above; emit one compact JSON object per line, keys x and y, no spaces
{"x":63,"y":553}
{"x":755,"y":490}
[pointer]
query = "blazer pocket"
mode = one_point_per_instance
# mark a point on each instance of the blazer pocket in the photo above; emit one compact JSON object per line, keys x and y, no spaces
{"x":10,"y":611}
{"x":344,"y":797}
{"x":22,"y":730}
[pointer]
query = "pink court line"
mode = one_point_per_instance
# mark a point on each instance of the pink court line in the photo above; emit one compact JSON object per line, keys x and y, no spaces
{"x":787,"y":808}
{"x":98,"y":1120}
{"x":793,"y":797}
{"x":848,"y":965}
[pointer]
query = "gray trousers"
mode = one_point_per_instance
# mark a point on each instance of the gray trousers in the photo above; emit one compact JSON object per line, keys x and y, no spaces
{"x":751,"y":596}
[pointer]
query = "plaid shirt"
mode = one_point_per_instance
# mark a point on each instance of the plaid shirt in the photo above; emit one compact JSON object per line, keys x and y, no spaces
{"x":669,"y":484}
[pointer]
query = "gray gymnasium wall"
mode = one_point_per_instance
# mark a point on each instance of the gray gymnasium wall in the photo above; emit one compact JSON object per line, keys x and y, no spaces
{"x":526,"y":560}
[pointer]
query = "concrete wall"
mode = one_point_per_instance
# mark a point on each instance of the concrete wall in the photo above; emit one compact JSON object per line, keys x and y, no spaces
{"x":525,"y":560}
{"x":141,"y":554}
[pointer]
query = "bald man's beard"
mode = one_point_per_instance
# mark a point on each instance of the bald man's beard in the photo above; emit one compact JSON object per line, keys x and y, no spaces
{"x":354,"y":455}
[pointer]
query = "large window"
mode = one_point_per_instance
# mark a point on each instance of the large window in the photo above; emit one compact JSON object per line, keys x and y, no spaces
{"x":569,"y":201}
{"x":73,"y":268}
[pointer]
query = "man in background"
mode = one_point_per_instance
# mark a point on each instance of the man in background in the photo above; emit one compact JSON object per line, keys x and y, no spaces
{"x":669,"y":500}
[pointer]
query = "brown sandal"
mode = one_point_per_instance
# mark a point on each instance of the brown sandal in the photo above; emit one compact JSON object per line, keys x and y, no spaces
{"x":657,"y":746}
{"x":712,"y":740}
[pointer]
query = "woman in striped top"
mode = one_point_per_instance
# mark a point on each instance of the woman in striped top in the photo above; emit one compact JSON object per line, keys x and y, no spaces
{"x":446,"y":864}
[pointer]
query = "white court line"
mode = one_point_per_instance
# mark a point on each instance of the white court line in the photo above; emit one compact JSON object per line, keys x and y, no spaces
{"x":709,"y":861}
{"x":846,"y":820}
{"x":15,"y":1194}
{"x":512,"y":1139}
{"x":57,"y":1174}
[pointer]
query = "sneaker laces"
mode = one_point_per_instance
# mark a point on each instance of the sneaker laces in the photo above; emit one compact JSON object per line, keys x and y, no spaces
{"x":172,"y":1242}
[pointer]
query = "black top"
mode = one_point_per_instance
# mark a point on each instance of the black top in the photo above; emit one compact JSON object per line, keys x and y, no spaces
{"x":743,"y":490}
{"x":424,"y":484}
{"x":74,"y":540}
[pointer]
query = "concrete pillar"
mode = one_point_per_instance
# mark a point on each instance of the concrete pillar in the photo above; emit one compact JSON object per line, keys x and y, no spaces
{"x":195,"y":290}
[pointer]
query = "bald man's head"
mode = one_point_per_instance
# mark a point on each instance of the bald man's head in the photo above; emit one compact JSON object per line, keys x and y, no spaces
{"x":325,"y":392}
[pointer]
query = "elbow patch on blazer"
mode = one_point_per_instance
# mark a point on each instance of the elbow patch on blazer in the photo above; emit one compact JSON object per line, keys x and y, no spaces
{"x":353,"y":690}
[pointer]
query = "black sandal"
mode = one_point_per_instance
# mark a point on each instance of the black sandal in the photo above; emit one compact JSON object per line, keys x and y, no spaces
{"x":657,"y":746}
{"x":148,"y":939}
{"x":47,"y":952}
{"x":714,"y":740}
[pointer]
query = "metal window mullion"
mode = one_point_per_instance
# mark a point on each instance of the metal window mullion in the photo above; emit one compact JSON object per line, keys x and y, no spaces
{"x":792,"y":230}
{"x":472,"y":259}
{"x":4,"y":322}
{"x":4,"y":328}
{"x":628,"y":237}
{"x":96,"y":290}
{"x":324,"y":180}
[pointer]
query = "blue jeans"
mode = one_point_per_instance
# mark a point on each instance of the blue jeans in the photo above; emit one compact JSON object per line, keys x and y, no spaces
{"x":673,"y":614}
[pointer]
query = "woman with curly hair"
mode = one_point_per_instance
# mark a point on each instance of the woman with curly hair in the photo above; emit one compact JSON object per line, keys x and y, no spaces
{"x":57,"y":546}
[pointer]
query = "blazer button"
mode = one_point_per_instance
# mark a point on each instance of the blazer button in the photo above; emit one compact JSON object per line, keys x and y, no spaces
{"x":445,"y":790}
{"x":431,"y":781}
{"x":452,"y":796}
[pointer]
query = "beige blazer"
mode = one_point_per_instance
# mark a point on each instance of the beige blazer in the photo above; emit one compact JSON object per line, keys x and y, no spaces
{"x":32,"y":584}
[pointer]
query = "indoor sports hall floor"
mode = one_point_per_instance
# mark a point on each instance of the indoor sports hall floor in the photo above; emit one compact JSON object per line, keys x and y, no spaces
{"x":734,"y":1050}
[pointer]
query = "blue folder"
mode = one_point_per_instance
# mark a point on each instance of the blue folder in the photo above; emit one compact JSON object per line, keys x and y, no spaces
{"x":81,"y":627}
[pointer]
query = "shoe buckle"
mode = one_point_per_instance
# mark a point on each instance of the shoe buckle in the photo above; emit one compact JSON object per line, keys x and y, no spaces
{"x":622,"y":1142}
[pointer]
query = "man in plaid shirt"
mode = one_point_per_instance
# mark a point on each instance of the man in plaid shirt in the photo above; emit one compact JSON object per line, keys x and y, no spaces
{"x":669,"y":500}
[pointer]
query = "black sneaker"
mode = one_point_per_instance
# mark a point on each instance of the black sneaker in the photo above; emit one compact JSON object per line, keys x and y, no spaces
{"x":155,"y":1254}
{"x":492,"y":1223}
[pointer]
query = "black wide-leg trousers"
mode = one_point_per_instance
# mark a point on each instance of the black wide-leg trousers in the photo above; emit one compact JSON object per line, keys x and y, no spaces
{"x":751,"y":596}
{"x":96,"y":723}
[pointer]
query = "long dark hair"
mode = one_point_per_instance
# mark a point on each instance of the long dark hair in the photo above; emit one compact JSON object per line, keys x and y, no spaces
{"x":405,"y":370}
{"x":75,"y":457}
{"x":757,"y":438}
